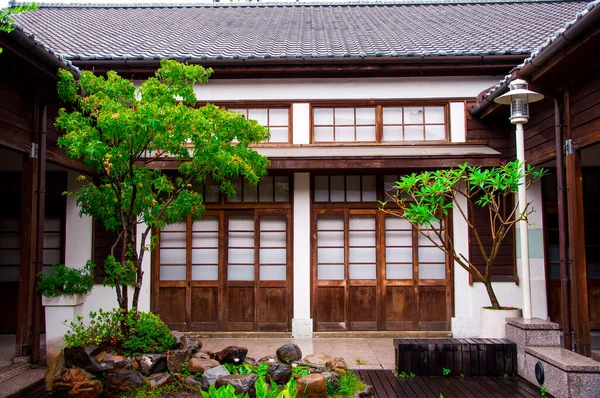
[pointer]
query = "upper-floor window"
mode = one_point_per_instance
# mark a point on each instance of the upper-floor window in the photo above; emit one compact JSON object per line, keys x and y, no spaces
{"x":379,"y":124}
{"x":276,"y":119}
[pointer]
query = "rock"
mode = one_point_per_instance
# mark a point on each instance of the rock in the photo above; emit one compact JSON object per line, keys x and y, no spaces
{"x":278,"y":373}
{"x":312,"y":367}
{"x":64,"y":383}
{"x":231,"y":353}
{"x":367,"y":392}
{"x":317,"y":359}
{"x":213,"y":374}
{"x":117,"y":382}
{"x":112,"y":358}
{"x":337,"y":365}
{"x":55,"y":368}
{"x":289,"y":353}
{"x":176,"y":358}
{"x":84,"y":358}
{"x":159,"y":380}
{"x":332,"y":379}
{"x":201,"y":365}
{"x":243,"y":384}
{"x":185,"y":342}
{"x":269,"y":359}
{"x":86,"y":389}
{"x":203,"y":355}
{"x":250,"y":361}
{"x":195,"y":383}
{"x":313,"y":386}
{"x":153,"y":363}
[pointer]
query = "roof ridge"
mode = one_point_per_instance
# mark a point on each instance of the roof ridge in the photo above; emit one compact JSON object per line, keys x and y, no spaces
{"x":330,"y":3}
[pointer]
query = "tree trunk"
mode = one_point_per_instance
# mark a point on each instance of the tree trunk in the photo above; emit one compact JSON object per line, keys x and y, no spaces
{"x":492,"y":295}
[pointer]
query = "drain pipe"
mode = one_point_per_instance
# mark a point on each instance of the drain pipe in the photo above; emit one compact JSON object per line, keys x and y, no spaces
{"x":562,"y":229}
{"x":40,"y":215}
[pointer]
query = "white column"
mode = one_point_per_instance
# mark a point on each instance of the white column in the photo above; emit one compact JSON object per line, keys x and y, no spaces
{"x":302,"y":325}
{"x":301,"y":123}
{"x":524,"y":236}
{"x":458,"y":123}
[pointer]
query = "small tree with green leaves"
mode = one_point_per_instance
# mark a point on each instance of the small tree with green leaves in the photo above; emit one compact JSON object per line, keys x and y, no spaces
{"x":6,"y":20}
{"x":425,"y":200}
{"x":119,"y":131}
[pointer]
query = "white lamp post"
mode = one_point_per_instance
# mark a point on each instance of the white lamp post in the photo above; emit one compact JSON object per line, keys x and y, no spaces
{"x":519,"y":98}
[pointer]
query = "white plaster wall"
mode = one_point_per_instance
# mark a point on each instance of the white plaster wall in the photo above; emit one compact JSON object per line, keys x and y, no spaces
{"x":458,"y":123}
{"x":300,"y":123}
{"x":469,"y":299}
{"x":301,"y":323}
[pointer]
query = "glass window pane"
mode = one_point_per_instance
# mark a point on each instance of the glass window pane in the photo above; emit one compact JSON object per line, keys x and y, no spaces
{"x":178,"y":226}
{"x":393,"y":222}
{"x":362,"y":238}
{"x":9,"y":241}
{"x":250,"y":192}
{"x":398,"y":238}
{"x":205,"y":256}
{"x":432,"y":271}
{"x":424,"y":241}
{"x":330,"y":254}
{"x":273,"y":239}
{"x":176,"y":273}
{"x":330,"y":222}
{"x":413,"y":115}
{"x":398,"y":271}
{"x":363,"y":271}
{"x":11,"y":274}
{"x":434,"y":114}
{"x":204,"y":239}
{"x":272,"y":273}
{"x":10,"y":257}
{"x":352,"y":188}
{"x":365,"y":133}
{"x":369,"y":189}
{"x":206,"y":224}
{"x":330,"y":272}
{"x":362,"y":254}
{"x":279,"y":134}
{"x":321,"y":189}
{"x":330,"y":238}
{"x":282,"y":189}
{"x":205,"y":273}
{"x":389,"y":181}
{"x":241,"y":239}
{"x":435,"y":133}
{"x":172,"y":239}
{"x":260,"y":115}
{"x":241,"y":256}
{"x":172,"y":256}
{"x":413,"y":133}
{"x":344,"y":116}
{"x":240,"y":111}
{"x":398,"y":254}
{"x":240,"y":272}
{"x":344,"y":134}
{"x":323,"y":134}
{"x":431,"y":255}
{"x":365,"y":116}
{"x":237,"y":185}
{"x":52,"y":256}
{"x":272,"y":223}
{"x":278,"y":117}
{"x":337,"y":188}
{"x":241,"y":223}
{"x":52,"y":239}
{"x":392,"y":133}
{"x":323,"y":116}
{"x":52,"y":224}
{"x":272,"y":256}
{"x":211,"y":193}
{"x":362,"y":222}
{"x":265,"y":189}
{"x":392,"y":115}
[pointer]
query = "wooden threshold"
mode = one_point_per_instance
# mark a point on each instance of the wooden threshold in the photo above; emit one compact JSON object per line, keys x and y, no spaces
{"x":239,"y":335}
{"x":397,"y":334}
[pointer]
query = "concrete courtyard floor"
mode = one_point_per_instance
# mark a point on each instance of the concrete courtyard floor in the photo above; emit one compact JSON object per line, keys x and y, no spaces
{"x":359,"y":353}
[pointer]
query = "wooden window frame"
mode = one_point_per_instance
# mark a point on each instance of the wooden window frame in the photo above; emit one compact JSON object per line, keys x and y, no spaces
{"x":379,"y":105}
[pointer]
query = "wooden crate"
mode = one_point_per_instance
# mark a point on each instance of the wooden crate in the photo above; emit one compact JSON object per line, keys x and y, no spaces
{"x":468,"y":357}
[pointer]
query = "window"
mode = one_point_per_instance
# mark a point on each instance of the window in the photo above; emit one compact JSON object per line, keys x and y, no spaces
{"x":350,"y":188}
{"x":269,"y":189}
{"x":276,"y":119}
{"x":379,"y":124}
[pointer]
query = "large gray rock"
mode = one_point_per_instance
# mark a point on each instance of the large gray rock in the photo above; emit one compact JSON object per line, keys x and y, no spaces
{"x":176,"y":358}
{"x":289,"y":353}
{"x":116,"y":383}
{"x":243,"y":384}
{"x":159,"y":380}
{"x":214,"y":373}
{"x":185,"y":342}
{"x":195,"y":383}
{"x":201,"y":365}
{"x":153,"y":363}
{"x":278,"y":373}
{"x":231,"y":354}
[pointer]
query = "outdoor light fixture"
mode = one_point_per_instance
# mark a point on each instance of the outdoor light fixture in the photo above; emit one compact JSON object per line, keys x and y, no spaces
{"x":519,"y":98}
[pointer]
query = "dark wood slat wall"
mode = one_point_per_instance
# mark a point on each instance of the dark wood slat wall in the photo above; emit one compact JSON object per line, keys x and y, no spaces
{"x":491,"y":132}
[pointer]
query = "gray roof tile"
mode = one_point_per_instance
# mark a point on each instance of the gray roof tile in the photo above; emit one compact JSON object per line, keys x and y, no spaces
{"x":296,"y":30}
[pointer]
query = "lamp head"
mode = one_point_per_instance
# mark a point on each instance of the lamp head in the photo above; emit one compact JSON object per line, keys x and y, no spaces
{"x":519,"y":98}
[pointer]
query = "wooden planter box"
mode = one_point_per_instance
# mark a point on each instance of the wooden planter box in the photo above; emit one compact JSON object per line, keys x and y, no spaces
{"x":468,"y":357}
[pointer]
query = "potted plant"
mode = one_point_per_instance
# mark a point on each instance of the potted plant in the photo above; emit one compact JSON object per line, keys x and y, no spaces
{"x":425,"y":200}
{"x":63,"y":292}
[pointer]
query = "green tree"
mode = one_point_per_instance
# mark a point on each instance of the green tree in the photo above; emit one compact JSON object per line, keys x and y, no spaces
{"x":119,"y":132}
{"x":426,"y":199}
{"x":6,"y":20}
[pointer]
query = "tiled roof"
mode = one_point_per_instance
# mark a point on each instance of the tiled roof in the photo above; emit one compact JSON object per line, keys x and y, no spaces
{"x":296,"y":30}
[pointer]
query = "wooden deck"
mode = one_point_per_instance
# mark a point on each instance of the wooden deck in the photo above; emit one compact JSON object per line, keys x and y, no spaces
{"x":388,"y":386}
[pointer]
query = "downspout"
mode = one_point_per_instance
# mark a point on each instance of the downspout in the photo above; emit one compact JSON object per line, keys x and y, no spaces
{"x":562,"y":229}
{"x":39,"y":254}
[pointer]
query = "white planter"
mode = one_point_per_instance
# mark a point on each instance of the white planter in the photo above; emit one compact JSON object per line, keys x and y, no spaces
{"x":60,"y":311}
{"x":492,"y":323}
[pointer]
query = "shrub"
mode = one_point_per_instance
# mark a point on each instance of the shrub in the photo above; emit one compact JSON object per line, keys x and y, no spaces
{"x":66,"y":281}
{"x":147,"y":333}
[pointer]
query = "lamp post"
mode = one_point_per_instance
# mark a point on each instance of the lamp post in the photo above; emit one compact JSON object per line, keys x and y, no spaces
{"x":519,"y":98}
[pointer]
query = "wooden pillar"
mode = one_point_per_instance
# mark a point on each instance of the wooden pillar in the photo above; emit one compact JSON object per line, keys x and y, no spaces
{"x":27,"y":251}
{"x":579,"y":289}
